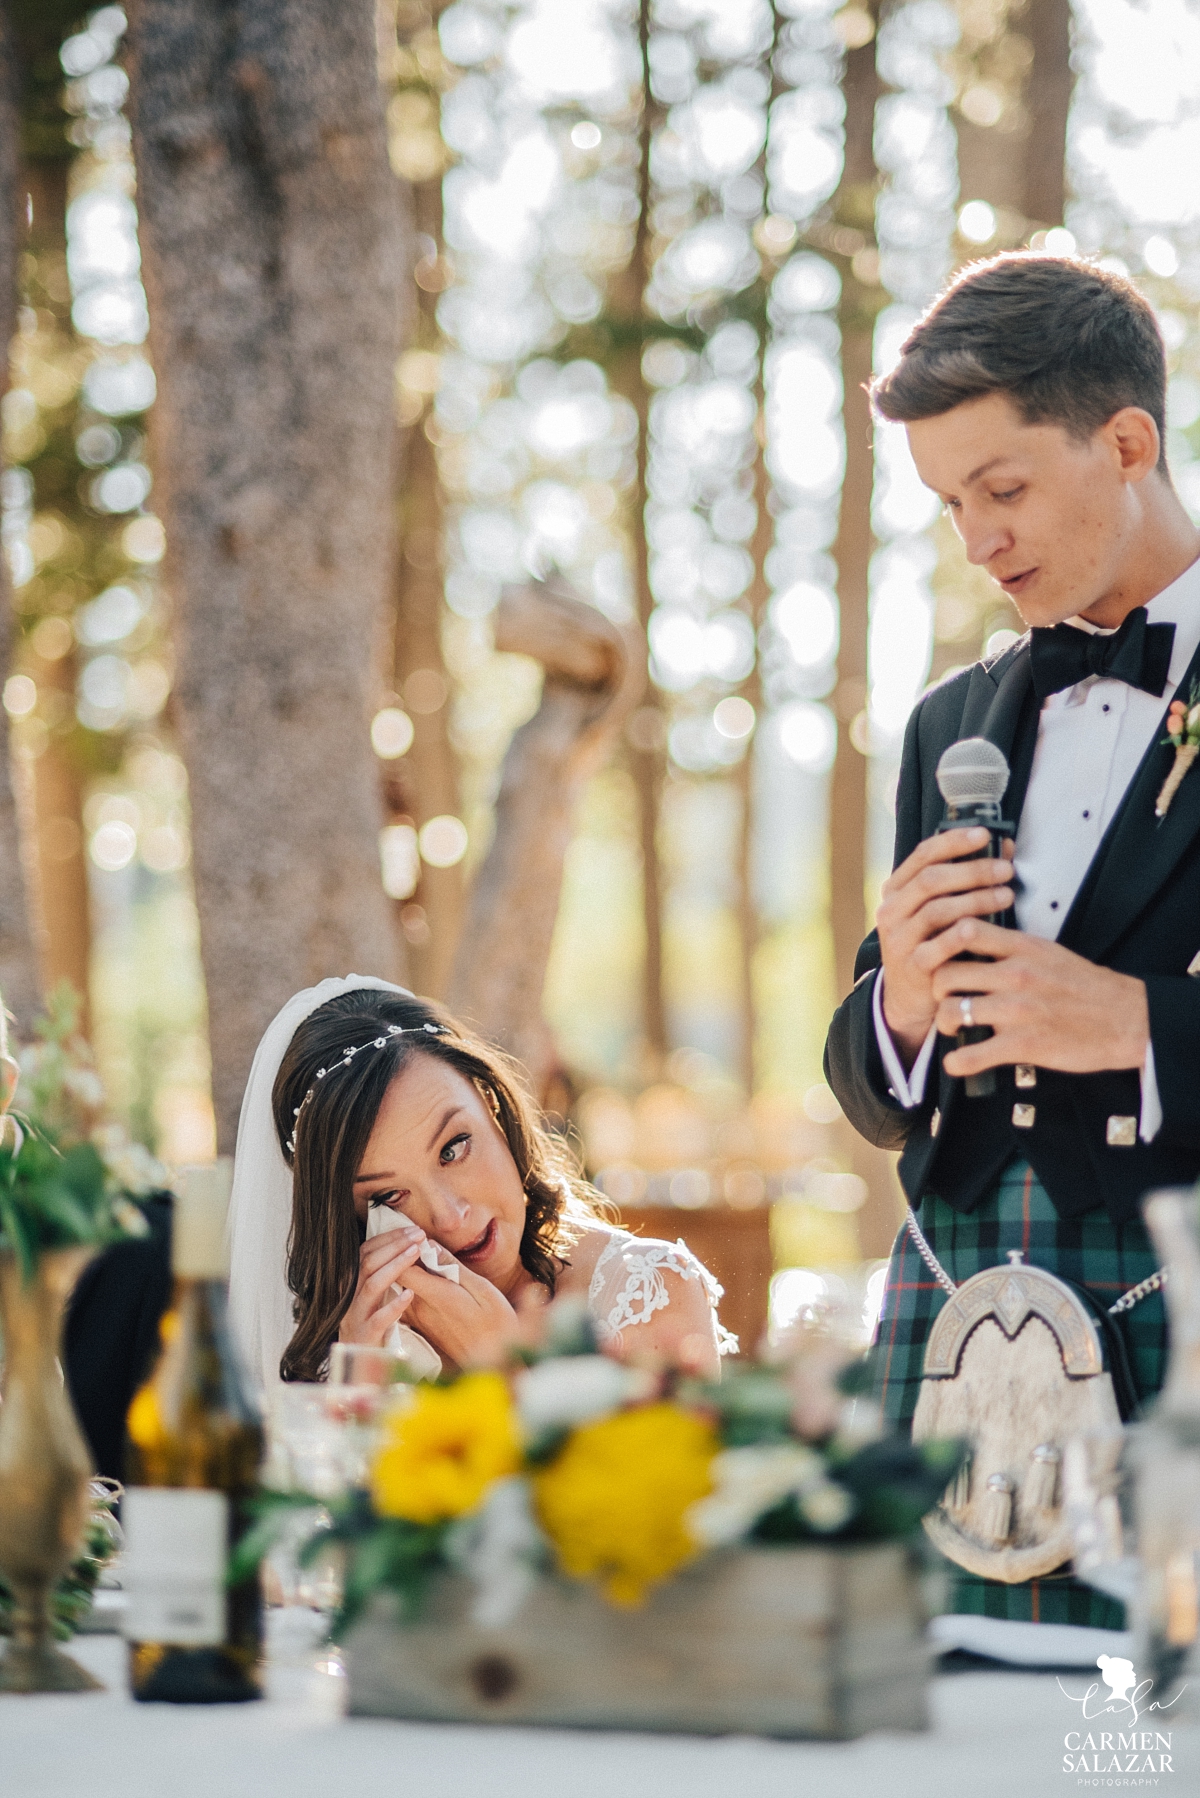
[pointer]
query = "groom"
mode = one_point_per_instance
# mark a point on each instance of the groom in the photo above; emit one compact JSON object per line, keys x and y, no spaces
{"x":1033,"y":393}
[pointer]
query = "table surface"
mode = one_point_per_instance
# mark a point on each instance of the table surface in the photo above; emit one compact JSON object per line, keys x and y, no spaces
{"x":994,"y":1733}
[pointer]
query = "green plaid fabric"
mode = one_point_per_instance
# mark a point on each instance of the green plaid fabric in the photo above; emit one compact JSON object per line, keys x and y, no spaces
{"x":1090,"y":1251}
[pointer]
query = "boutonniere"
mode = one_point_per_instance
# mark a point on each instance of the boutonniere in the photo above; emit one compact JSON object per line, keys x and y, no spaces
{"x":1183,"y":730}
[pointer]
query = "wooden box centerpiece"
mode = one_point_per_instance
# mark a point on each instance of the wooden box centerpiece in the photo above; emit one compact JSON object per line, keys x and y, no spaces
{"x":786,"y":1641}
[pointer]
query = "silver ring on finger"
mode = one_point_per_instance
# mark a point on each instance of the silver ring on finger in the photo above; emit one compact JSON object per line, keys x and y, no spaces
{"x":966,"y":1014}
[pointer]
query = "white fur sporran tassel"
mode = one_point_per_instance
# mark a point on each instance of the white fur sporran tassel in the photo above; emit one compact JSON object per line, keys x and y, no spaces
{"x":958,"y":1492}
{"x":1040,"y":1491}
{"x":995,"y":1513}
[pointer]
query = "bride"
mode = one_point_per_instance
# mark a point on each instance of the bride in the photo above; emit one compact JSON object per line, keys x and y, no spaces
{"x":394,"y":1186}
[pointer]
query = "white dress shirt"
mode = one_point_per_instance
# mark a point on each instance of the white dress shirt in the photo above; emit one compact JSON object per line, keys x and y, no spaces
{"x":1091,"y":739}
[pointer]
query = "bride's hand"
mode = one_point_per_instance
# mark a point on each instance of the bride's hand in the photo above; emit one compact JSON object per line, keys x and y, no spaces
{"x":383,"y":1261}
{"x":467,"y":1322}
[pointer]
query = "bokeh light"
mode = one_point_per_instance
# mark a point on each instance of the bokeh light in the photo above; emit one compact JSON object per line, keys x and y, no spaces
{"x":20,"y":695}
{"x":113,"y":846}
{"x":391,"y":733}
{"x":400,"y":860}
{"x":443,"y":841}
{"x":808,"y":735}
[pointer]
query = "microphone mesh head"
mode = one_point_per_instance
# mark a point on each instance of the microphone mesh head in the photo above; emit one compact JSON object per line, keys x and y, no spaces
{"x":972,"y":773}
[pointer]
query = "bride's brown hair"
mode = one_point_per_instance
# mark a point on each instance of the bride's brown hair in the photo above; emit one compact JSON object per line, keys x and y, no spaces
{"x":329,"y":1120}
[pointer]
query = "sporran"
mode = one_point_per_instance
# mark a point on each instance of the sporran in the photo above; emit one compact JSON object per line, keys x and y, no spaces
{"x":1017,"y":1363}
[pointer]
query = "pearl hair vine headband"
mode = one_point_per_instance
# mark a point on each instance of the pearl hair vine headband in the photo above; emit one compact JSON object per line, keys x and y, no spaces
{"x":376,"y":1042}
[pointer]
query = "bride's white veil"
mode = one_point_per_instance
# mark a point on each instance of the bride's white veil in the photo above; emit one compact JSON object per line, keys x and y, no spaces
{"x":260,"y":1205}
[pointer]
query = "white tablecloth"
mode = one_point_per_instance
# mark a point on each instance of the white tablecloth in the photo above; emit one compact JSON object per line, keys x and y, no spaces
{"x":995,"y":1733}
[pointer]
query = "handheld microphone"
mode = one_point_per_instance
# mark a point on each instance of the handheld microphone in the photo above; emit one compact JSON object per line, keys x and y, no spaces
{"x":972,"y":776}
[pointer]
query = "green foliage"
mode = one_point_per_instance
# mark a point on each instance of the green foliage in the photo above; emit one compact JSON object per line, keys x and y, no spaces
{"x":382,"y":1554}
{"x":51,"y":1200}
{"x":270,"y":1513}
{"x":892,"y":1481}
{"x":391,"y":1556}
{"x":896,"y":1482}
{"x":59,"y":1088}
{"x":753,"y":1405}
{"x":856,"y":1378}
{"x":56,"y":1191}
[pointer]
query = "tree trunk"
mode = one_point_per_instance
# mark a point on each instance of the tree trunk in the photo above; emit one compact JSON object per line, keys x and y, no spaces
{"x":594,"y":674}
{"x":274,"y":245}
{"x":1019,"y":167}
{"x":1047,"y":25}
{"x":854,"y":207}
{"x":431,"y":769}
{"x":18,"y":963}
{"x":855,"y":210}
{"x":429,"y":773}
{"x":647,"y":749}
{"x":1021,"y":172}
{"x":62,"y":899}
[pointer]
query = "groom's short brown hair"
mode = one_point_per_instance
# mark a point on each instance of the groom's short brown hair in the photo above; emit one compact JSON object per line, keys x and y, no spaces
{"x":1069,"y":343}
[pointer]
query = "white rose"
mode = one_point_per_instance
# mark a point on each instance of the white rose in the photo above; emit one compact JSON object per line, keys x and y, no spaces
{"x":130,"y":1164}
{"x":718,"y":1522}
{"x":772,"y":1468}
{"x":827,"y":1506}
{"x":572,"y":1389}
{"x":750,"y":1482}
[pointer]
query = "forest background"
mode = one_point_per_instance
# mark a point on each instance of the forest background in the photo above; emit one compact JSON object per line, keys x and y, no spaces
{"x":445,"y":536}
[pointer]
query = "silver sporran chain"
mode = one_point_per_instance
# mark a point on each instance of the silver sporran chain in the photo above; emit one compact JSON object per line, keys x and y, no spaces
{"x":1153,"y":1283}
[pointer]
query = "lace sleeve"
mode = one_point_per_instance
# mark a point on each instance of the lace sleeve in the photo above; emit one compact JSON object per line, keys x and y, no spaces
{"x":628,"y":1287}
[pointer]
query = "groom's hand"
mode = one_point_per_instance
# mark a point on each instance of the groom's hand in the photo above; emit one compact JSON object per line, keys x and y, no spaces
{"x":927,"y":894}
{"x":1048,"y":1007}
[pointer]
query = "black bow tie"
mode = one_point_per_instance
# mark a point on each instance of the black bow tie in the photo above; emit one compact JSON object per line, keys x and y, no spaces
{"x":1139,"y":654}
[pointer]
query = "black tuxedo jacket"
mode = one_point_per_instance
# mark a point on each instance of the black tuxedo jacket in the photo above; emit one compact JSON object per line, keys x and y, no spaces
{"x":111,"y":1334}
{"x":1137,"y":910}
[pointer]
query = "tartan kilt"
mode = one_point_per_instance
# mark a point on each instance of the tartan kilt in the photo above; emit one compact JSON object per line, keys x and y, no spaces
{"x":1090,"y":1251}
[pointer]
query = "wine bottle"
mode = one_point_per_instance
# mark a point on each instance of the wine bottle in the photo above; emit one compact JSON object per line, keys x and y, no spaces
{"x":194,"y":1447}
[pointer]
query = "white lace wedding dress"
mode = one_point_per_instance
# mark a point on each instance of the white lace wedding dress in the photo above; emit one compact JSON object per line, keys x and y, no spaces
{"x":627,"y":1286}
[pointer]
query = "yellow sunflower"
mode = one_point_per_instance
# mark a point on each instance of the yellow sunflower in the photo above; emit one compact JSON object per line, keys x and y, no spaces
{"x":613,"y":1502}
{"x":441,"y":1453}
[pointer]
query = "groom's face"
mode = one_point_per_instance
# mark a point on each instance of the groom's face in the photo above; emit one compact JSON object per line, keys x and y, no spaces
{"x":1051,"y":517}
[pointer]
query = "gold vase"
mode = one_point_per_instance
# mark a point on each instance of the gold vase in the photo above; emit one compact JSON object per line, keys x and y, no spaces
{"x":44,"y":1471}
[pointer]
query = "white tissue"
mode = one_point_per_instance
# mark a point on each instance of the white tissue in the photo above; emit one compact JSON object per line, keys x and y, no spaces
{"x":424,"y":1360}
